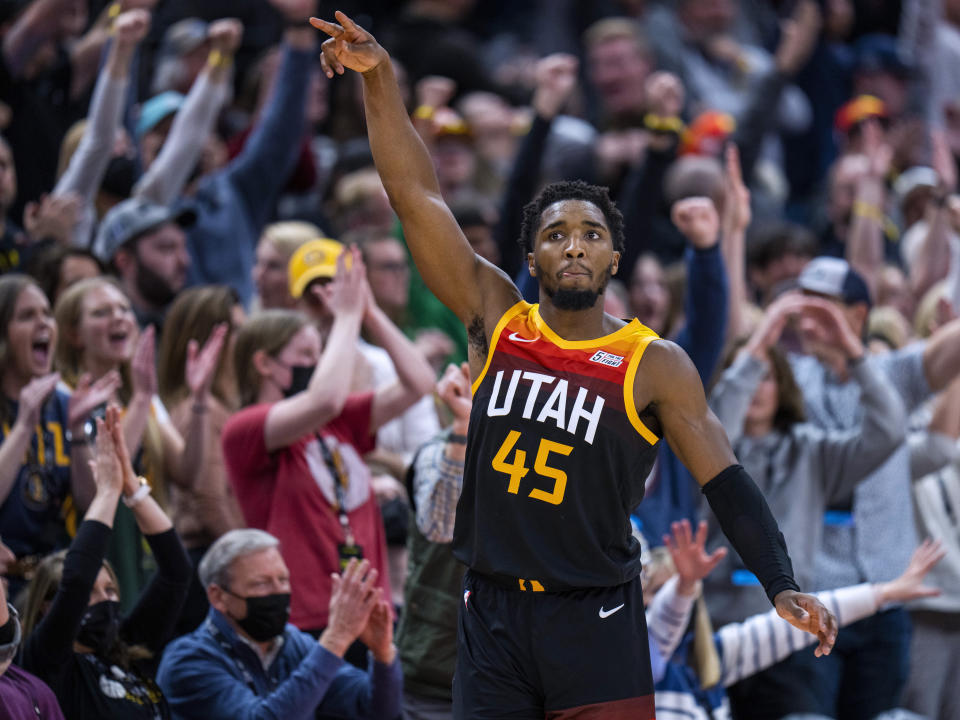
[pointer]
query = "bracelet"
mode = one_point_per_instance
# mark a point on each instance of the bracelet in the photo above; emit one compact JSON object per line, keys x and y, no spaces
{"x":114,"y":10}
{"x":217,"y":59}
{"x":457,"y":439}
{"x":139,"y":495}
{"x":424,"y":112}
{"x":663,"y":124}
{"x":866,"y":210}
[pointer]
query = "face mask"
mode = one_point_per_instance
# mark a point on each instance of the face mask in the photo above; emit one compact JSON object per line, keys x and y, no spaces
{"x":100,"y":626}
{"x":299,"y":379}
{"x":267,"y":616}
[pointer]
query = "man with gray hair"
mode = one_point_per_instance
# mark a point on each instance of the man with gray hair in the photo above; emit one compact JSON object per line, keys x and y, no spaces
{"x":246,"y":661}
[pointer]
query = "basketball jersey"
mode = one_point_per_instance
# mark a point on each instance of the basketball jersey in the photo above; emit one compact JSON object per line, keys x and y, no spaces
{"x":556,"y":457}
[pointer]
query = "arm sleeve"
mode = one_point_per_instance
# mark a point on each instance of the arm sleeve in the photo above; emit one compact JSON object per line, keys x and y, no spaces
{"x":930,"y":452}
{"x":731,"y":396}
{"x":763,"y":640}
{"x":846,"y":458}
{"x":152,"y":620}
{"x":904,"y":370}
{"x":746,"y":520}
{"x":668,"y":617}
{"x":206,"y":686}
{"x":437,"y":482}
{"x":704,"y":333}
{"x":50,"y":645}
{"x":168,"y":174}
{"x":261,"y":169}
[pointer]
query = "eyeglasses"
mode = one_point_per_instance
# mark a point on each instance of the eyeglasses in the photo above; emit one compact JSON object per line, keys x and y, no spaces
{"x":392,"y":267}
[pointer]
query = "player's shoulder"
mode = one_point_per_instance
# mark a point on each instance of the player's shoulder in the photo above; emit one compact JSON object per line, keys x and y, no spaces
{"x":664,"y":359}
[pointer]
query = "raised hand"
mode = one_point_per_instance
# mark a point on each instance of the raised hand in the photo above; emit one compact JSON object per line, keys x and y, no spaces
{"x":55,"y":216}
{"x":349,"y":47}
{"x":89,"y":395}
{"x":349,"y":291}
{"x":202,"y":363}
{"x":909,"y":586}
{"x":664,"y":94}
{"x":942,"y":160}
{"x":697,"y":219}
{"x":689,"y":555}
{"x":798,"y":37}
{"x":143,"y":366}
{"x":131,"y":26}
{"x":32,"y":397}
{"x":556,"y":78}
{"x":434,"y":91}
{"x":106,"y":465}
{"x":454,"y":389}
{"x":877,"y":152}
{"x":807,"y":613}
{"x":768,"y":332}
{"x":114,"y":427}
{"x":378,"y":633}
{"x":225,"y":35}
{"x":824,"y":321}
{"x":353,"y":598}
{"x":736,"y":196}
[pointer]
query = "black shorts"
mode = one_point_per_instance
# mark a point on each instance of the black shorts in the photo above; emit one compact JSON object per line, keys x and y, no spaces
{"x":575,"y":654}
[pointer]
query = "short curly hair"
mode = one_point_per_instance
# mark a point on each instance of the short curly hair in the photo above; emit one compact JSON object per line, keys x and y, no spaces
{"x":570,"y":190}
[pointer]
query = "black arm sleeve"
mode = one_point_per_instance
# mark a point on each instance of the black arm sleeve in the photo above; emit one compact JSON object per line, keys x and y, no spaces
{"x":747,"y":522}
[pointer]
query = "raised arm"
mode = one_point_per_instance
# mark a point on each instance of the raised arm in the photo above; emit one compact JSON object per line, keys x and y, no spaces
{"x":864,"y":244}
{"x":733,"y":231}
{"x":324,"y":398}
{"x":468,"y":285}
{"x":668,"y":389}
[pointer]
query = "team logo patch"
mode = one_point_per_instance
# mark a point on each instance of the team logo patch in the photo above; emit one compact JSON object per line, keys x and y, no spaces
{"x":608,"y":359}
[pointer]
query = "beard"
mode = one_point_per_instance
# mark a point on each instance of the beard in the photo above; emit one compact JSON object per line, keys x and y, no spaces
{"x":570,"y":299}
{"x":153,"y":287}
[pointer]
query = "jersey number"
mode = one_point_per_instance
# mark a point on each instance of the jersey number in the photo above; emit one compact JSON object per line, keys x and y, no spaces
{"x":517,"y":469}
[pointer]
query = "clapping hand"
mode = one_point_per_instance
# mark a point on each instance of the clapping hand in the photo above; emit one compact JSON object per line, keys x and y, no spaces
{"x":378,"y":634}
{"x":202,"y":363}
{"x":32,"y":397}
{"x":689,"y":555}
{"x":143,"y":366}
{"x":106,"y":465}
{"x":353,"y":598}
{"x":89,"y":395}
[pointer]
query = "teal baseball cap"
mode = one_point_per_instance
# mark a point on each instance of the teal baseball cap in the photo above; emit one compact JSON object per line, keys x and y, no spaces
{"x":156,"y":109}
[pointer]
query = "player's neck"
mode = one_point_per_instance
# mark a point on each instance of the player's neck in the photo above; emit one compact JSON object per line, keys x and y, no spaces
{"x":587,"y":324}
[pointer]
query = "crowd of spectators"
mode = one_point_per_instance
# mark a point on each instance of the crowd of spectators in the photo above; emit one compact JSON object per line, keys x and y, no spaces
{"x":233,"y":417}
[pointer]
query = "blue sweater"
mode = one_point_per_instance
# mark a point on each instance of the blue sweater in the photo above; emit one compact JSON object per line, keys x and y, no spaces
{"x":235,"y":203}
{"x":212,"y":674}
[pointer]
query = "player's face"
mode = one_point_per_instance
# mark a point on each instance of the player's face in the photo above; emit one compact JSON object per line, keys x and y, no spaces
{"x":573,"y":250}
{"x":32,"y":334}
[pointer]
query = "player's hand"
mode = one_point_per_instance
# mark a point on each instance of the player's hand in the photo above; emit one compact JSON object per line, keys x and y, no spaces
{"x":690,"y":556}
{"x":349,"y":47}
{"x":225,"y":35}
{"x":556,"y":77}
{"x":697,"y":219}
{"x":807,"y":613}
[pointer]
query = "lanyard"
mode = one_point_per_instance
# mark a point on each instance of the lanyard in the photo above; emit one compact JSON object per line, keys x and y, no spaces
{"x":334,"y":462}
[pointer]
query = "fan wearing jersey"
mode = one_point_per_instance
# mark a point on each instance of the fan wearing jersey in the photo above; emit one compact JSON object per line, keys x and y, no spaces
{"x":569,"y":405}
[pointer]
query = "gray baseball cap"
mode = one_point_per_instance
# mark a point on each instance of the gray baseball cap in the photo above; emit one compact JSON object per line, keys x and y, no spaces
{"x":833,"y":277}
{"x":132,"y":218}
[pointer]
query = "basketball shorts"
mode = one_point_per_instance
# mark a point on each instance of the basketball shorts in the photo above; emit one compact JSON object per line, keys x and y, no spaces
{"x":578,"y":654}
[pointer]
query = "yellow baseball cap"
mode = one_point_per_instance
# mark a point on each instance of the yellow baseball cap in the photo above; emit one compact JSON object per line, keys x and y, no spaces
{"x":312,"y":260}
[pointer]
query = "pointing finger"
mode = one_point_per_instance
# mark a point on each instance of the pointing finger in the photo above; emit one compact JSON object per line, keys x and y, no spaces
{"x":331,"y":29}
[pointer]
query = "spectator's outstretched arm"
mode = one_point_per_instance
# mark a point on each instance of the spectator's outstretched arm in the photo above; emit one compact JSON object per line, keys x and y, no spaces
{"x":864,"y":243}
{"x":89,"y":162}
{"x":474,"y":290}
{"x":932,"y":260}
{"x":702,"y":337}
{"x":325,"y":396}
{"x":733,"y":231}
{"x":941,"y":356}
{"x":761,"y":641}
{"x":270,"y":154}
{"x":35,"y":26}
{"x":166,"y":177}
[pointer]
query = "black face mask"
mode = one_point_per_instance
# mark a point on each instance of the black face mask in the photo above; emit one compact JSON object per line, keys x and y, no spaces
{"x":299,"y":379}
{"x":100,"y":626}
{"x":119,"y":177}
{"x":267,"y":616}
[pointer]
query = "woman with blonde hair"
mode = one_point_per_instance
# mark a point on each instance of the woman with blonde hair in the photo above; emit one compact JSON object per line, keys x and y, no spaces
{"x":99,"y":335}
{"x":95,"y":660}
{"x":277,"y":245}
{"x":204,"y":508}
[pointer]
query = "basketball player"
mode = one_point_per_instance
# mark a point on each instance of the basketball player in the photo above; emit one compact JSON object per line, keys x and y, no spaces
{"x":568,"y":406}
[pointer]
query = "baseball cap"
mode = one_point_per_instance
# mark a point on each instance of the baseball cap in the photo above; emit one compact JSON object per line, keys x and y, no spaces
{"x":312,"y":260}
{"x":918,"y":176}
{"x":184,"y":36}
{"x":857,"y":110}
{"x":154,"y":110}
{"x":707,"y":133}
{"x":131,"y":218}
{"x":878,"y":52}
{"x":835,"y":278}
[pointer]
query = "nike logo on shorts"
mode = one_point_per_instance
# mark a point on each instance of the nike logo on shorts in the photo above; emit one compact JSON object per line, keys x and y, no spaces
{"x":604,"y":614}
{"x":517,"y":338}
